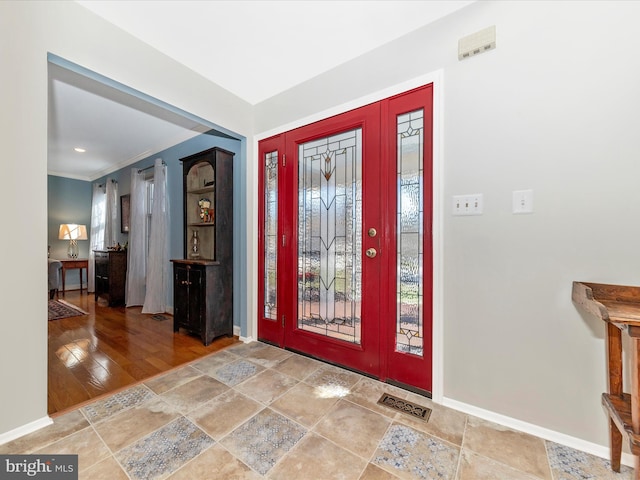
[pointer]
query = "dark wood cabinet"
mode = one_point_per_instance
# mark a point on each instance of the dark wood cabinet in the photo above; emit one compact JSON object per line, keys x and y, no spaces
{"x":110,"y":276}
{"x":200,"y":307}
{"x":203,"y":279}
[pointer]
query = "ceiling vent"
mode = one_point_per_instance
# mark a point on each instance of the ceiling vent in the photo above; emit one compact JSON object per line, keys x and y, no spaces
{"x":476,"y":43}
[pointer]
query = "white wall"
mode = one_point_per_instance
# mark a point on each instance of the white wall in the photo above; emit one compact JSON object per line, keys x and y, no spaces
{"x":28,"y":31}
{"x":554,"y":109}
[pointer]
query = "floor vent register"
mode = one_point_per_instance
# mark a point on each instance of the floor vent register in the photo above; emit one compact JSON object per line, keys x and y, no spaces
{"x":404,"y":406}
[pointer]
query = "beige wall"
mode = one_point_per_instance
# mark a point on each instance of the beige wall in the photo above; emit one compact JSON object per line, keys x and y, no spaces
{"x":553,"y":108}
{"x":28,"y":31}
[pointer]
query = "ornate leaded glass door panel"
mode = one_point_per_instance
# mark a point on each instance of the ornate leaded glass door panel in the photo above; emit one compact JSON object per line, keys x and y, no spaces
{"x":329,"y":236}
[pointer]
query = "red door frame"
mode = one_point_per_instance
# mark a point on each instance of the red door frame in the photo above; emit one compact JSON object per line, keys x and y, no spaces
{"x":376,"y":355}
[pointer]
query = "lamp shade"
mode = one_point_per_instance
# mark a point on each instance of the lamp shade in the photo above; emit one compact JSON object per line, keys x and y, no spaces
{"x":71,"y":231}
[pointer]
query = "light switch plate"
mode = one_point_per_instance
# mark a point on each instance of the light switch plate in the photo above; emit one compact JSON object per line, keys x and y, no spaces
{"x":471,"y":204}
{"x":522,"y":201}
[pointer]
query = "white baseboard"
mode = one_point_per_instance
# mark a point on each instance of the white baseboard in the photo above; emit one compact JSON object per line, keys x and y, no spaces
{"x":25,"y":429}
{"x":544,"y":433}
{"x":246,"y":339}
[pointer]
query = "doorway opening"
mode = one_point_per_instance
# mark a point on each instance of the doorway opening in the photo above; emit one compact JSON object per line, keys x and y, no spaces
{"x":93,"y":98}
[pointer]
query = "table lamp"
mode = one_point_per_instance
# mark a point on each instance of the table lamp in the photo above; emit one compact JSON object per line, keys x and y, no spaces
{"x":73,"y":233}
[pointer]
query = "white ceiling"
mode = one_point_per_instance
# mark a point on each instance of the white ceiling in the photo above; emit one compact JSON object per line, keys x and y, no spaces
{"x":232,"y":43}
{"x":115,"y":128}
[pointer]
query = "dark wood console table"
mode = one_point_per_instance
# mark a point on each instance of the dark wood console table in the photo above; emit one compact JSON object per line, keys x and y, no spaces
{"x":619,"y":307}
{"x":111,"y":275}
{"x":72,"y":264}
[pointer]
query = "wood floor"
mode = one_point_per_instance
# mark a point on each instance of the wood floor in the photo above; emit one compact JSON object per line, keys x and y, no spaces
{"x":111,"y":348}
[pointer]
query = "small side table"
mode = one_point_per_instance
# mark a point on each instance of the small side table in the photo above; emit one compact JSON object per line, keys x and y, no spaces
{"x":619,"y":307}
{"x":72,"y":264}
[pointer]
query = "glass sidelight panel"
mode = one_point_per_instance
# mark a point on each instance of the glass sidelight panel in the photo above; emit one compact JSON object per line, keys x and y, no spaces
{"x":270,"y":234}
{"x":330,"y":236}
{"x":409,"y":315}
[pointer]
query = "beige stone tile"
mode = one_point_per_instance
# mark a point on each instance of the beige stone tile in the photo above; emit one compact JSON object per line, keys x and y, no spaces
{"x":476,"y":467}
{"x":62,"y":426}
{"x":318,"y":458}
{"x":194,"y":393}
{"x":85,"y":443}
{"x":266,"y":386}
{"x":173,"y":379}
{"x":211,"y":363}
{"x":126,"y":427}
{"x":353,"y":427}
{"x":367,"y":392}
{"x":226,"y":412}
{"x":297,"y":366}
{"x":518,"y":450}
{"x":244,"y":349}
{"x":268,"y":356}
{"x":216,"y":463}
{"x":443,"y":422}
{"x":333,"y":380}
{"x":303,"y":404}
{"x":375,"y":473}
{"x":107,"y":469}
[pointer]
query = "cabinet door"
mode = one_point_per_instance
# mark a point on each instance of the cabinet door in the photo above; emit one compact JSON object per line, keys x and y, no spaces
{"x":195,"y":295}
{"x":101,"y":274}
{"x":181,"y":296}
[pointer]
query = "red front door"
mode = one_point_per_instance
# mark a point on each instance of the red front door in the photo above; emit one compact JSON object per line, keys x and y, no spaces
{"x":345,"y":239}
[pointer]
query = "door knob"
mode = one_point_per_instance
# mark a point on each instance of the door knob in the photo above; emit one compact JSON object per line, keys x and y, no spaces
{"x":372,"y":232}
{"x":371,"y":252}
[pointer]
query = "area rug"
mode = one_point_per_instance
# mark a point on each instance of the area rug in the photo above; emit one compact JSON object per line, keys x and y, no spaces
{"x":60,"y":309}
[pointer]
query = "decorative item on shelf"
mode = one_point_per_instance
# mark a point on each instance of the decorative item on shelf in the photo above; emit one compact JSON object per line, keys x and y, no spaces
{"x":194,"y":251}
{"x":73,"y":233}
{"x":206,"y":212}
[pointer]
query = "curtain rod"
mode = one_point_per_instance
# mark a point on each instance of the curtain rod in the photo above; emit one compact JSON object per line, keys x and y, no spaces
{"x":100,"y":185}
{"x":150,"y":166}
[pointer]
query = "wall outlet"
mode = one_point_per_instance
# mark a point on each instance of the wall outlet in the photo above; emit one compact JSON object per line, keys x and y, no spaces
{"x":468,"y":204}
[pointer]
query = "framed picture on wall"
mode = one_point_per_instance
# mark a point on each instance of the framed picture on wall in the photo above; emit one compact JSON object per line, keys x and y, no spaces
{"x":125,"y":202}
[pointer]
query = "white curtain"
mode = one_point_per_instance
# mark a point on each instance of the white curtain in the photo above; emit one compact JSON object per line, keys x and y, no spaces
{"x":158,"y":261}
{"x":97,"y":231}
{"x":111,"y":226}
{"x":137,"y":251}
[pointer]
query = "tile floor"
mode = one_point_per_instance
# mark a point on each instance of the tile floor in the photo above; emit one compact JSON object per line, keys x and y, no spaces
{"x":253,"y":411}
